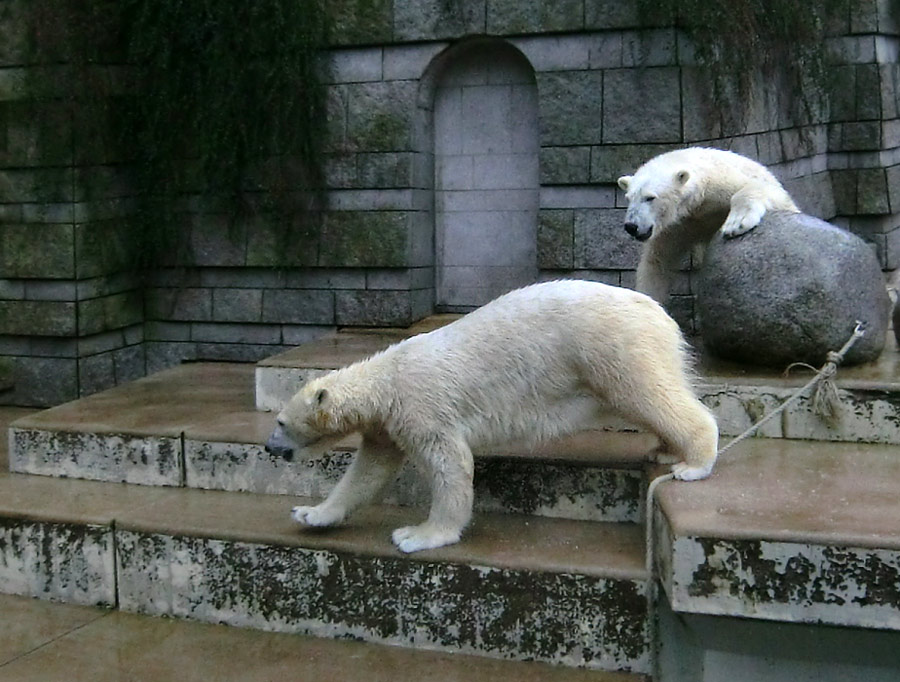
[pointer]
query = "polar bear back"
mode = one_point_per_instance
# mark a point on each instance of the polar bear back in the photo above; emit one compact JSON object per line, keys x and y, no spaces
{"x":534,"y":362}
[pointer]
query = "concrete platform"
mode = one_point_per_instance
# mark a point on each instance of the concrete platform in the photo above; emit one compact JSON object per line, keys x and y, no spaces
{"x":789,"y":531}
{"x":43,"y":642}
{"x":195,"y":426}
{"x":519,"y":587}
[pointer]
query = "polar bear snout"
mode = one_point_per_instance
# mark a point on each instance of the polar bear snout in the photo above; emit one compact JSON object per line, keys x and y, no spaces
{"x":280,"y":444}
{"x":635,"y":231}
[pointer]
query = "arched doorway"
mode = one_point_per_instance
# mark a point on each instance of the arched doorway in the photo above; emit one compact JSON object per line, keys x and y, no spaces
{"x":486,"y":175}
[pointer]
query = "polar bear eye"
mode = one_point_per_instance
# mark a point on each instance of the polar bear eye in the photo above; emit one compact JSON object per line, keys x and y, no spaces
{"x":649,"y":198}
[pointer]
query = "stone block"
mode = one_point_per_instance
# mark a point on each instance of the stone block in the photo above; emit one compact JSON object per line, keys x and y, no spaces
{"x":360,"y":21}
{"x":555,"y":239}
{"x":565,"y":165}
{"x":36,"y":185}
{"x":380,"y":116}
{"x":188,"y":304}
{"x":383,"y":170}
{"x":365,"y":239}
{"x":35,"y":133}
{"x":506,"y":17}
{"x":855,"y":136}
{"x":408,"y":62}
{"x":12,"y":289}
{"x":145,"y":460}
{"x":271,"y":243}
{"x":37,"y":251}
{"x":600,"y":240}
{"x":298,"y":306}
{"x":791,"y":290}
{"x":326,"y":278}
{"x":570,"y":103}
{"x":610,"y":14}
{"x":658,"y":93}
{"x":96,"y":373}
{"x":37,"y":318}
{"x":79,"y":569}
{"x":237,"y":305}
{"x":110,"y":312}
{"x":50,"y":290}
{"x":238,"y":352}
{"x":355,"y":66}
{"x":373,"y":308}
{"x":104,"y":247}
{"x":648,"y":47}
{"x":235,"y":333}
{"x":872,"y":191}
{"x":843,"y":184}
{"x":341,"y":171}
{"x":893,"y":182}
{"x":558,"y":53}
{"x":217,"y":240}
{"x":864,"y":16}
{"x":43,"y":381}
{"x":162,"y":355}
{"x":129,"y":363}
{"x":295,"y":335}
{"x":435,"y":19}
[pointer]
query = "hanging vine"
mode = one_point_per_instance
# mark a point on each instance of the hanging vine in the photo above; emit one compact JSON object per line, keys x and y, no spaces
{"x":222,"y":100}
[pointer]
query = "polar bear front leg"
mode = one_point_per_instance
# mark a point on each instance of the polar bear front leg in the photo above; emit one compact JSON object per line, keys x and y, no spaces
{"x":374,"y":465}
{"x":747,"y":210}
{"x":452,"y":472}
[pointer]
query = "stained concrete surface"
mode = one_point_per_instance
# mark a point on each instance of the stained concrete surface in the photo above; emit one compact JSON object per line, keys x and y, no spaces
{"x":47,"y":642}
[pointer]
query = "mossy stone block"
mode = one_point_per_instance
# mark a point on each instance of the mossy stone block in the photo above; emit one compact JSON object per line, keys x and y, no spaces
{"x":105,"y":246}
{"x":360,"y":21}
{"x":365,"y":239}
{"x":438,"y":19}
{"x":555,"y":239}
{"x":379,"y":116}
{"x":37,"y":318}
{"x":533,"y":16}
{"x":283,"y":242}
{"x":565,"y":165}
{"x":36,"y":251}
{"x":570,"y":103}
{"x":373,"y":308}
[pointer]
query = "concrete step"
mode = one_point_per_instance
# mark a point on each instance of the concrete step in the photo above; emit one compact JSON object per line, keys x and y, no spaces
{"x":195,"y":426}
{"x":518,"y":587}
{"x":737,"y":395}
{"x":790,"y":531}
{"x":45,"y":641}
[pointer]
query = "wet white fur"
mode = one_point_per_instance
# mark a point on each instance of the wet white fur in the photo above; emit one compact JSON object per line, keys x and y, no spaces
{"x":682,"y":197}
{"x":536,"y":363}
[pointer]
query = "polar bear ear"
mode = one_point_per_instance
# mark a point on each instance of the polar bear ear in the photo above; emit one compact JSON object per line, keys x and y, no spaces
{"x":682,"y":177}
{"x":320,"y":397}
{"x":624,"y":182}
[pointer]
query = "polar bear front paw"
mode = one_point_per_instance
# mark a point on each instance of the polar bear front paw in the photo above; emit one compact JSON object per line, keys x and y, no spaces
{"x":685,"y":472}
{"x":741,"y":221}
{"x":425,"y":536}
{"x":316,"y":516}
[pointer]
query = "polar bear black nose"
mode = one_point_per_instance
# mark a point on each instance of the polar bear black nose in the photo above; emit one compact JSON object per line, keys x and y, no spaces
{"x":632,"y":229}
{"x":635,"y":231}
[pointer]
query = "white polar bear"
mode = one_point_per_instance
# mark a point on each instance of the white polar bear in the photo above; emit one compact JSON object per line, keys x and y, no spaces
{"x":537,"y":363}
{"x":679,"y":199}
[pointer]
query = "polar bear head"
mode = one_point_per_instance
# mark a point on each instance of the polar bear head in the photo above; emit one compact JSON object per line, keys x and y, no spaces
{"x":304,"y":420}
{"x":657,"y":197}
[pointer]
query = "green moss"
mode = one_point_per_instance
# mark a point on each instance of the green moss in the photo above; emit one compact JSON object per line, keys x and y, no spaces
{"x":742,"y":42}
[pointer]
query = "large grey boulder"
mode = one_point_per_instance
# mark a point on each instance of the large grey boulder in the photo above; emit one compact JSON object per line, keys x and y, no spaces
{"x":791,"y":290}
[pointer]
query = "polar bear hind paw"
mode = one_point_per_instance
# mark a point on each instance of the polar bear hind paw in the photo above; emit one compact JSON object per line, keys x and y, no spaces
{"x":315,"y":516}
{"x":685,"y":472}
{"x":425,"y":536}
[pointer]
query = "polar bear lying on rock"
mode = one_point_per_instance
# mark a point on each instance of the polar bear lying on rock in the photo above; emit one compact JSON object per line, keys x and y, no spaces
{"x":537,"y":363}
{"x":679,"y":199}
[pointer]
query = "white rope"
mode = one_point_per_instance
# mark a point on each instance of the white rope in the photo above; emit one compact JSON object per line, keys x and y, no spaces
{"x":827,"y":372}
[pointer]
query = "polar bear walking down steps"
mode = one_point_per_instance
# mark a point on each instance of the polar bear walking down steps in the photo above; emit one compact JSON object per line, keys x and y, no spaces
{"x":537,"y":363}
{"x":678,"y":200}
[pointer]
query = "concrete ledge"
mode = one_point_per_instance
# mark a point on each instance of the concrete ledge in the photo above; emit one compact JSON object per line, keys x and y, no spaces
{"x":517,"y":587}
{"x":787,"y":531}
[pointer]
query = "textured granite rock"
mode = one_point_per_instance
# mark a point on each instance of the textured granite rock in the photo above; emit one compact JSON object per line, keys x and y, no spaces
{"x":790,"y":291}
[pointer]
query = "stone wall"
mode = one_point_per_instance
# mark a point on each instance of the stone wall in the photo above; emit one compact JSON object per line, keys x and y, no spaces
{"x":609,"y":95}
